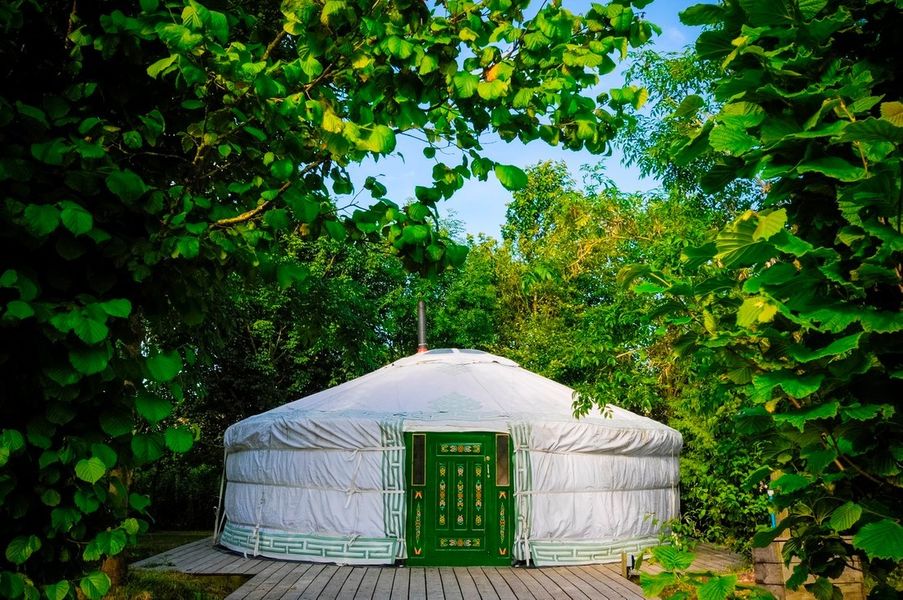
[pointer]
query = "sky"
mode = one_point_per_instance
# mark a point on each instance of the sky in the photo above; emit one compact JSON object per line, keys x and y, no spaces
{"x":480,"y":205}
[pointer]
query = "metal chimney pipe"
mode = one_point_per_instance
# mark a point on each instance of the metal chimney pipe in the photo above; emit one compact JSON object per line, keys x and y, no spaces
{"x":421,"y":327}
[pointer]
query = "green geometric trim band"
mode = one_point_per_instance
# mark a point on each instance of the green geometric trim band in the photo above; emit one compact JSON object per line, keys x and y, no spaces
{"x":314,"y":548}
{"x":571,"y":552}
{"x":394,"y":514}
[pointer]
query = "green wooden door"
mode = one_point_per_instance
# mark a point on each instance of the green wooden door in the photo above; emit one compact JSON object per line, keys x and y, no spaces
{"x":459,"y":498}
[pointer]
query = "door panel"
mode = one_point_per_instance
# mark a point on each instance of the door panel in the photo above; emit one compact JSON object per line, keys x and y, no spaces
{"x":458,"y":514}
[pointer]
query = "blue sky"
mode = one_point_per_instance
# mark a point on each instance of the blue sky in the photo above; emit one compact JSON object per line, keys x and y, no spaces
{"x":480,"y":205}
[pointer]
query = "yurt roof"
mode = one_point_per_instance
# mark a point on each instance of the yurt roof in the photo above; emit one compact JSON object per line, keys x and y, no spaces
{"x":449,"y":389}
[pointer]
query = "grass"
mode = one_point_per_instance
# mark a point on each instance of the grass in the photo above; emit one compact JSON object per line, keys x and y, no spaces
{"x":169,"y":585}
{"x":150,"y":544}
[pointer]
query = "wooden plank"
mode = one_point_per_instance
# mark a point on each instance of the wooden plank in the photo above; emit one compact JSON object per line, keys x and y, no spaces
{"x":198,"y":565}
{"x":289,"y":577}
{"x":586,"y":588}
{"x":221,"y":565}
{"x":589,"y":584}
{"x":368,"y":584}
{"x":332,"y":589}
{"x":319,"y":582}
{"x":170,"y":554}
{"x":535,"y":587}
{"x":627,"y":588}
{"x":417,"y":584}
{"x":383,"y":587}
{"x":400,"y":584}
{"x":349,"y":588}
{"x":501,"y":588}
{"x":466,"y":584}
{"x":548,"y":584}
{"x":433,"y":584}
{"x":450,"y":588}
{"x":264,"y":582}
{"x":514,"y":582}
{"x":484,"y":587}
{"x":178,"y":561}
{"x":300,"y":583}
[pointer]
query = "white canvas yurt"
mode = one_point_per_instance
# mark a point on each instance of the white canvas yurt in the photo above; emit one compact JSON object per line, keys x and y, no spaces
{"x":449,"y":457}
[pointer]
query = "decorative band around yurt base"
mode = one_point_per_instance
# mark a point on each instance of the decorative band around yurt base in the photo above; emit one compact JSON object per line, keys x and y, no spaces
{"x":572,"y":552}
{"x":308,"y":547}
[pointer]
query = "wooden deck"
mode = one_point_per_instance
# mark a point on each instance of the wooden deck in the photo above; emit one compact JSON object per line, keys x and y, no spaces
{"x":273,"y":579}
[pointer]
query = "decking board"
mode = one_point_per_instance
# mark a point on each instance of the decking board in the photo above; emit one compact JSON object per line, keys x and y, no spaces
{"x":286,"y":580}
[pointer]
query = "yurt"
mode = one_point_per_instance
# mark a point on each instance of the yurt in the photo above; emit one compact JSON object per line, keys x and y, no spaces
{"x":448,"y":457}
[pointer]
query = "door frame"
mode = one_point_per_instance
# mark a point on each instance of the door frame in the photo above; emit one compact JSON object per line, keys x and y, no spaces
{"x":422,"y":537}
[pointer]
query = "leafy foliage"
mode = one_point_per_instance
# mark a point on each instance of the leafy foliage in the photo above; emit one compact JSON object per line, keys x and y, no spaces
{"x":798,"y":304}
{"x":150,"y":150}
{"x":677,"y":582}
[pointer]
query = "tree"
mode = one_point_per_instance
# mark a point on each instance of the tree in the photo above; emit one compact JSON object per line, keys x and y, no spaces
{"x":798,"y":305}
{"x":150,"y":150}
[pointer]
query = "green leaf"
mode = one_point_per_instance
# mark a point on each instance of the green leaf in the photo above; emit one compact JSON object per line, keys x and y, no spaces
{"x":287,"y":274}
{"x":139,"y":501}
{"x":845,"y":516}
{"x":57,"y":591}
{"x":86,"y":501}
{"x":799,"y":419}
{"x":335,"y":230}
{"x":89,"y":330}
{"x":701,"y":14}
{"x":654,"y":585}
{"x":492,"y":90}
{"x":21,"y":548}
{"x":147,"y":447}
{"x":75,"y":218}
{"x":717,"y":588}
{"x":116,"y":423}
{"x":381,"y":140}
{"x":219,"y":26}
{"x":839,"y":346}
{"x":119,"y":307}
{"x":834,"y":167}
{"x":42,"y":219}
{"x":106,"y":454}
{"x":282,"y":169}
{"x":126,"y":184}
{"x":511,"y":177}
{"x":131,"y":526}
{"x":95,"y":585}
{"x":51,"y":152}
{"x":164,"y":366}
{"x":465,"y":84}
{"x":152,"y":407}
{"x":790,"y":482}
{"x":892,"y":112}
{"x":16,"y":309}
{"x":178,"y":439}
{"x":756,"y":309}
{"x":51,"y":497}
{"x":672,"y":559}
{"x":688,"y":107}
{"x":89,"y":361}
{"x":883,"y":539}
{"x":731,"y":140}
{"x":161,"y":65}
{"x":769,"y":223}
{"x":90,"y":469}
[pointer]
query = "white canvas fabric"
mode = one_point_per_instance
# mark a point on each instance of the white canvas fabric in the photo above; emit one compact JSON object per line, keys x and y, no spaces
{"x":321,"y":478}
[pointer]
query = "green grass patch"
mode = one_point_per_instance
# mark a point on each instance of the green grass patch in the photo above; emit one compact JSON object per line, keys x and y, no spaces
{"x":169,"y":585}
{"x":150,"y":544}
